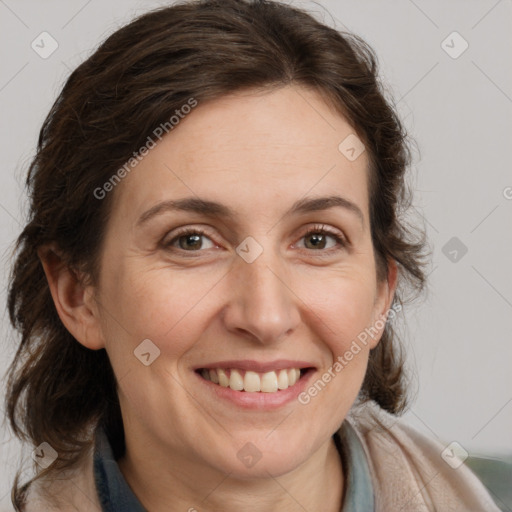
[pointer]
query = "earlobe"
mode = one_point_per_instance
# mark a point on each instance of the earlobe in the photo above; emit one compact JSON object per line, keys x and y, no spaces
{"x":384,"y":299}
{"x":392,"y":281}
{"x":72,"y":299}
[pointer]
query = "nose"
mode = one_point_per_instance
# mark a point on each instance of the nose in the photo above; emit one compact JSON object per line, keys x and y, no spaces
{"x":262,"y":306}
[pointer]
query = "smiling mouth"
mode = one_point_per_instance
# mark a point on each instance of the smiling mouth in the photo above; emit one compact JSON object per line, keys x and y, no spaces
{"x":253,"y":382}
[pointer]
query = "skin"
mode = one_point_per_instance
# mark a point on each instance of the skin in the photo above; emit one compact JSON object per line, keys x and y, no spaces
{"x":258,"y":154}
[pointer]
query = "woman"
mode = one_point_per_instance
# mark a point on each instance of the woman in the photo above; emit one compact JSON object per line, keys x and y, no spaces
{"x":207,"y":284}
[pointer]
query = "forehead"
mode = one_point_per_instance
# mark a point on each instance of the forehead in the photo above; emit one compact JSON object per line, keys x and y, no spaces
{"x":251,"y":150}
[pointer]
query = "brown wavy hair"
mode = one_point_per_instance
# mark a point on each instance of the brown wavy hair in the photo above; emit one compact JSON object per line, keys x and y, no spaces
{"x":58,"y":391}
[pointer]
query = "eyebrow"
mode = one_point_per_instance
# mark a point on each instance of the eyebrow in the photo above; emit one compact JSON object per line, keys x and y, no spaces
{"x":214,"y":209}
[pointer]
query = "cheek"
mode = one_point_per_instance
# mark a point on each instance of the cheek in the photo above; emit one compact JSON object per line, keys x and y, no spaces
{"x":343,"y":307}
{"x":162,"y":305}
{"x":341,"y":320}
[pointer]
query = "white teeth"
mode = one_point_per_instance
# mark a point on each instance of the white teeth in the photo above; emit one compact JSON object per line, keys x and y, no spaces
{"x":282,"y":380}
{"x":293,"y":376}
{"x":223,"y":378}
{"x":269,"y":382}
{"x":252,"y":382}
{"x":213,"y":376}
{"x":236,"y":381}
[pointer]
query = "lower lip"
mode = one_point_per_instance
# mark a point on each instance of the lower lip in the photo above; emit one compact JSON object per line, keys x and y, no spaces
{"x":259,"y":400}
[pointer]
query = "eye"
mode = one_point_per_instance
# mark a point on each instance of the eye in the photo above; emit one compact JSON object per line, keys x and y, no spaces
{"x":189,"y":240}
{"x":319,"y":236}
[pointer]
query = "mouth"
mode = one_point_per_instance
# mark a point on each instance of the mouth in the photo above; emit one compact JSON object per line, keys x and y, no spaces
{"x":251,"y":381}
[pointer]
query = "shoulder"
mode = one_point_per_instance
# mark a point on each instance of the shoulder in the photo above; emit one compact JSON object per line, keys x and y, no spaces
{"x":72,"y":490}
{"x":408,"y":471}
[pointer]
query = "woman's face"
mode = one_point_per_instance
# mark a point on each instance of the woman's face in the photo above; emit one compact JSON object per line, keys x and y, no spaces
{"x":247,"y":293}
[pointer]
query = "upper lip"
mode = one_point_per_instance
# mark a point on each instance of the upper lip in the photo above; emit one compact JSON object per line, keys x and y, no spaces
{"x":258,"y":366}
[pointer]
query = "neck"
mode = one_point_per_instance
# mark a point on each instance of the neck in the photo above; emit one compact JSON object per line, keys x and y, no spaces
{"x":183,"y":485}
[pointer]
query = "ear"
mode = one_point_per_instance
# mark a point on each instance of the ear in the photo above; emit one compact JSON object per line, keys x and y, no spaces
{"x":383,"y":300}
{"x":73,"y":300}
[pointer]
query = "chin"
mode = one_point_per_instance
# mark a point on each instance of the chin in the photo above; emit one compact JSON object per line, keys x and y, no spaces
{"x":263,"y":454}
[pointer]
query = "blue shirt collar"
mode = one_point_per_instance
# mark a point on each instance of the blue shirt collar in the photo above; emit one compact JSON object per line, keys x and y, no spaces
{"x":359,"y":495}
{"x":115,"y":495}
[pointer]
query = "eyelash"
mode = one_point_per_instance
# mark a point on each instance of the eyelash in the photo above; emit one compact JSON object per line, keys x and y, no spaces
{"x":318,"y":229}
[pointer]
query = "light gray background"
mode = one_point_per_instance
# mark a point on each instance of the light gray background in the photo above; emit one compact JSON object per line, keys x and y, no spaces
{"x":459,"y":110}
